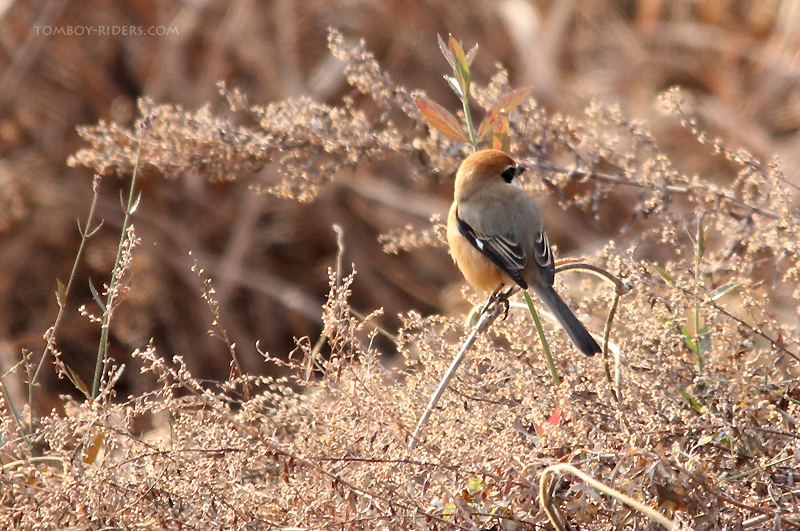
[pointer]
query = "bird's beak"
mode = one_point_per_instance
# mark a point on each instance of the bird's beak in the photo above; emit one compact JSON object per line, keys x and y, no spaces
{"x":516,"y":180}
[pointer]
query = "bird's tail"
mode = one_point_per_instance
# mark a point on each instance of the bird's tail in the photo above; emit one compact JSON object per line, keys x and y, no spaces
{"x":574,"y":328}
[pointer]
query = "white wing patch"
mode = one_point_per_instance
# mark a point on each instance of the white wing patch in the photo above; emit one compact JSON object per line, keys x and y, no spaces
{"x":505,"y":253}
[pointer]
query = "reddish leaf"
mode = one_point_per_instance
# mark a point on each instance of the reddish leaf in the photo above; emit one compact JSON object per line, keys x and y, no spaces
{"x":507,"y":103}
{"x":555,"y":418}
{"x":501,"y":135}
{"x":510,"y":100}
{"x":93,"y":449}
{"x":441,"y":119}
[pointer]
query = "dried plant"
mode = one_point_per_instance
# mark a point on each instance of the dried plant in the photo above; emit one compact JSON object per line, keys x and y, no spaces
{"x":704,"y":432}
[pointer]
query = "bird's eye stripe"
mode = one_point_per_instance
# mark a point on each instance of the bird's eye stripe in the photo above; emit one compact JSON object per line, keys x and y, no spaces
{"x":509,"y":173}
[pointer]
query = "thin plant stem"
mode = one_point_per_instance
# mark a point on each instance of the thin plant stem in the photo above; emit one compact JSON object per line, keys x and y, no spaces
{"x":620,"y":288}
{"x":14,"y":412}
{"x":102,"y":349}
{"x":550,"y":362}
{"x":757,"y":469}
{"x":62,"y":294}
{"x":699,"y":333}
{"x":468,"y":118}
{"x":698,"y":338}
{"x":616,"y":389}
{"x":490,"y":312}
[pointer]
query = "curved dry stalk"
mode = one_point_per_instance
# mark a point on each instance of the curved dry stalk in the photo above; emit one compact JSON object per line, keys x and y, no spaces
{"x":620,"y":288}
{"x":45,"y":460}
{"x":493,"y":308}
{"x":549,"y":507}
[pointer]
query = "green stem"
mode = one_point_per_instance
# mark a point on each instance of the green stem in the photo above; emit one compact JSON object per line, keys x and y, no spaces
{"x":102,"y":349}
{"x":698,"y":337}
{"x":757,"y":469}
{"x":62,"y":302}
{"x":468,"y":118}
{"x":550,"y":363}
{"x":17,"y":417}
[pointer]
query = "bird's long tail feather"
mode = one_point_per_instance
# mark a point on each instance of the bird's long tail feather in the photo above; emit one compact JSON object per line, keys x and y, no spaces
{"x":574,"y":328}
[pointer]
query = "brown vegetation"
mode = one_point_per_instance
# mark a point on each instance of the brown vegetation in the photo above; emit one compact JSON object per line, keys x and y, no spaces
{"x":686,"y":204}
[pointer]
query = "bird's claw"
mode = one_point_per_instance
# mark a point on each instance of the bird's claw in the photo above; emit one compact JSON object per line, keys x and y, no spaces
{"x":502,"y":300}
{"x":499,"y":296}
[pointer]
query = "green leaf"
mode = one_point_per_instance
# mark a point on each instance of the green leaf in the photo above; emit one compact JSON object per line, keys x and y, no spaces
{"x":663,"y":272}
{"x":96,"y":297}
{"x":455,"y":86}
{"x":461,"y":68}
{"x":61,"y":293}
{"x":77,"y":381}
{"x":458,"y":52}
{"x":704,"y":345}
{"x":701,"y":241}
{"x":135,"y":204}
{"x":441,"y":119}
{"x":691,"y":400}
{"x":704,"y":440}
{"x":474,"y":485}
{"x":725,"y":289}
{"x":689,"y":340}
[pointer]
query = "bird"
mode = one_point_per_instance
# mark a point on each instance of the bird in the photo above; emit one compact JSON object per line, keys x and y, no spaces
{"x":496,"y":236}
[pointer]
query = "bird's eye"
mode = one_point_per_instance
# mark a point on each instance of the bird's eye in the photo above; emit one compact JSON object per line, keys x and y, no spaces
{"x":509,"y":173}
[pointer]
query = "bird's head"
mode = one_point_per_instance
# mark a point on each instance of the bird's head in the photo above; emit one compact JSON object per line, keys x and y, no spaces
{"x":485,"y":168}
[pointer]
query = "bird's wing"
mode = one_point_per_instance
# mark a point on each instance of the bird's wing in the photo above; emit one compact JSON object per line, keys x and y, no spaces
{"x":544,"y":257}
{"x":503,"y":252}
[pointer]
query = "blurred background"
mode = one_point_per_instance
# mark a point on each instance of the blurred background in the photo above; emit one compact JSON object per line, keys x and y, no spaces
{"x":68,"y":63}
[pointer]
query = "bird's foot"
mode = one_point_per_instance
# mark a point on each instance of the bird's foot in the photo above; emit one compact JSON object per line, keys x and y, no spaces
{"x":500,"y":296}
{"x":502,"y":300}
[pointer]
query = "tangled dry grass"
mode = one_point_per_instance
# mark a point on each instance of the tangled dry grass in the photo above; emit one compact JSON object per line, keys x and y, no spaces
{"x":703,"y":428}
